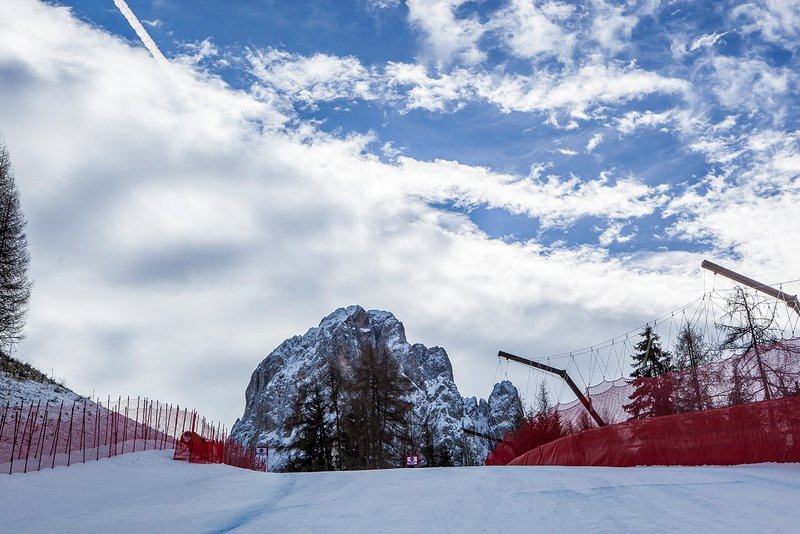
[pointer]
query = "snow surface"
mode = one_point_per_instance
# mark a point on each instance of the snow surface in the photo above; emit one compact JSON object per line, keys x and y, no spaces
{"x":15,"y":391}
{"x":149,"y":492}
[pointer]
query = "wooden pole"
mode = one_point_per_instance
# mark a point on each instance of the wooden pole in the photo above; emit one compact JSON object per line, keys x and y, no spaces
{"x":14,"y":443}
{"x":97,"y":407}
{"x":83,"y":431}
{"x":25,"y":430}
{"x":69,"y":435}
{"x":56,"y":434}
{"x":30,"y":436}
{"x":42,"y":440}
{"x":125,"y":428}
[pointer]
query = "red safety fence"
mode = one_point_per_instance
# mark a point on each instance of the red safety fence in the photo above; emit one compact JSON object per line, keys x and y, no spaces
{"x":654,"y":421}
{"x":771,"y":372}
{"x":238,"y":455}
{"x":765,"y":431}
{"x":195,"y":449}
{"x":39,"y":435}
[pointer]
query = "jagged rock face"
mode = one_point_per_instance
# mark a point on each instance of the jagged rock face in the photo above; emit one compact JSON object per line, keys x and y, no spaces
{"x":501,"y":413}
{"x":341,"y":337}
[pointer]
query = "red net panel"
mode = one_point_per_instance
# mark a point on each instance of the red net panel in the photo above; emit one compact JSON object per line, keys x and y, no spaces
{"x":660,"y":420}
{"x":771,"y":372}
{"x":766,"y":431}
{"x":194,"y":449}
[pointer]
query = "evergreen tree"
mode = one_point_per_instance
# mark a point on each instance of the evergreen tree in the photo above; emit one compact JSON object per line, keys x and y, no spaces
{"x":543,"y":405}
{"x":749,"y":330}
{"x":691,"y":384}
{"x":15,"y":286}
{"x":652,"y":396}
{"x":335,"y":383}
{"x":312,"y":436}
{"x":378,"y":411}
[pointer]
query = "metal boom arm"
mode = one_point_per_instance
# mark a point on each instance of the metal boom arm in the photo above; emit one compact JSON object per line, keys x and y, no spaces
{"x":563,"y":374}
{"x":790,"y":300}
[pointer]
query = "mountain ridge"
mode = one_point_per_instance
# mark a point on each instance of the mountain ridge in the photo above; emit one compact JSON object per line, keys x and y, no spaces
{"x":341,"y":337}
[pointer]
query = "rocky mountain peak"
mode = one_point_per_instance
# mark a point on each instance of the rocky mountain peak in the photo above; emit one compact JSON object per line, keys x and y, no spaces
{"x":340,"y":339}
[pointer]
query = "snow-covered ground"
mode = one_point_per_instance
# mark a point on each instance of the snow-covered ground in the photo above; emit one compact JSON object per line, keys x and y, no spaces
{"x":149,"y":492}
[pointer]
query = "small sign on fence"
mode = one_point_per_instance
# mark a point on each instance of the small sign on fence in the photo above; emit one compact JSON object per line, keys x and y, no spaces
{"x":412,"y":460}
{"x":261,"y":451}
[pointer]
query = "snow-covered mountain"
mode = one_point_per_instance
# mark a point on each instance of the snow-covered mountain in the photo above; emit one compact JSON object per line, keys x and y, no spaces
{"x":341,"y":337}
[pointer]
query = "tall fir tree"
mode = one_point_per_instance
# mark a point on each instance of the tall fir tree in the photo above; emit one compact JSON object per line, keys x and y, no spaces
{"x":15,"y":285}
{"x":750,"y":331}
{"x":313,"y":431}
{"x":691,"y":383}
{"x":653,"y":393}
{"x":378,"y":411}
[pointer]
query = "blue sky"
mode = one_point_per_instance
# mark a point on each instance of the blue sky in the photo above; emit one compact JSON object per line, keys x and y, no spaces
{"x":520,"y":174}
{"x":312,"y":53}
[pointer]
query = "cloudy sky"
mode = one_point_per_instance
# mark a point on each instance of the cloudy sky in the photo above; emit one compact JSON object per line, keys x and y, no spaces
{"x":205,"y":179}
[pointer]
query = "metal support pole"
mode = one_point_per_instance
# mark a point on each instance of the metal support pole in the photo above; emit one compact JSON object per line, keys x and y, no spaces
{"x":563,"y":374}
{"x":790,"y":300}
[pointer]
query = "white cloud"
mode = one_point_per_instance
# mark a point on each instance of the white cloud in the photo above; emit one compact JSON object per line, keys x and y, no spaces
{"x":445,"y":92}
{"x":611,"y":27}
{"x":447,"y":37}
{"x":554,"y":200}
{"x":318,"y":78}
{"x":567,"y":152}
{"x":577,"y":93}
{"x":594,"y":142}
{"x":613,"y":234}
{"x":706,"y":41}
{"x":383,"y":4}
{"x":634,"y":120}
{"x":778,"y":20}
{"x":532,"y":31}
{"x":411,"y":86}
{"x":749,"y":84}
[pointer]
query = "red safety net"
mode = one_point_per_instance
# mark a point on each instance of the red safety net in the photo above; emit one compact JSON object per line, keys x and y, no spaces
{"x":48,"y":433}
{"x":707,"y":407}
{"x":766,"y":431}
{"x":239,"y":456}
{"x":195,"y":449}
{"x":772,"y":371}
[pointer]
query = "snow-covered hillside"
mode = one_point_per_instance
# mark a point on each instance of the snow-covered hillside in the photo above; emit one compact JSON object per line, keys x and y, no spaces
{"x":149,"y":492}
{"x":15,"y":390}
{"x":340,"y":339}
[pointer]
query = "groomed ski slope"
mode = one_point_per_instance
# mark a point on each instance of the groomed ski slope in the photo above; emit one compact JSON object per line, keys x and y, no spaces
{"x":148,"y":492}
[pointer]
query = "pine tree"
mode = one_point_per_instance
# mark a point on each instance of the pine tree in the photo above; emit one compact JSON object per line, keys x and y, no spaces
{"x":312,"y":436}
{"x":378,"y":411}
{"x":750,"y":331}
{"x":15,"y":286}
{"x":691,"y":384}
{"x":652,"y":396}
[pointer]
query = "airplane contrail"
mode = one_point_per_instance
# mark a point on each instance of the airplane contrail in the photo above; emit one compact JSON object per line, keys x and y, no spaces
{"x":147,"y":41}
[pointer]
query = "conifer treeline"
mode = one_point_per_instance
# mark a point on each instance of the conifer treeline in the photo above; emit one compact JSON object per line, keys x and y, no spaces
{"x":358,"y":418}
